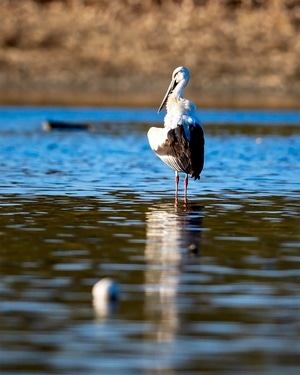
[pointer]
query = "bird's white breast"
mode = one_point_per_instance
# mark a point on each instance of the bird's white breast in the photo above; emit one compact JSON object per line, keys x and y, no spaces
{"x":180,"y":112}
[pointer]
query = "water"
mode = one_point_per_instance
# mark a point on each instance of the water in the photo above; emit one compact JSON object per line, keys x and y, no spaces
{"x":79,"y":206}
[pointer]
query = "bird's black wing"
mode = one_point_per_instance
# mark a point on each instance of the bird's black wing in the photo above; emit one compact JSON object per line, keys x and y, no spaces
{"x":181,"y":154}
{"x":196,"y":146}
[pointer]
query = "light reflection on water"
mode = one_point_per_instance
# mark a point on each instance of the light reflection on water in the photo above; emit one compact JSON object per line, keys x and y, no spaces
{"x":76,"y":207}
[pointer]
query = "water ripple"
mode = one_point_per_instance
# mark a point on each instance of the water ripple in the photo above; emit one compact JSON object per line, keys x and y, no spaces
{"x":212,"y":285}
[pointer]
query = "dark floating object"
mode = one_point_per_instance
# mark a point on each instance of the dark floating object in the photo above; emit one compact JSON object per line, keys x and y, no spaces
{"x":63,"y":125}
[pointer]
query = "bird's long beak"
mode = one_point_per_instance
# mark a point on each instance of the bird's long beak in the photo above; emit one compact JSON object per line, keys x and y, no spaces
{"x":170,"y":89}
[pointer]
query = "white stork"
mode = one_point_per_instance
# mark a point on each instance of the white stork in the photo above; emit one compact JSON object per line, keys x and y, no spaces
{"x":180,"y":143}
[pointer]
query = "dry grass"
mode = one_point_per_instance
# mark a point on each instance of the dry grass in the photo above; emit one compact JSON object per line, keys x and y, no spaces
{"x":114,"y":52}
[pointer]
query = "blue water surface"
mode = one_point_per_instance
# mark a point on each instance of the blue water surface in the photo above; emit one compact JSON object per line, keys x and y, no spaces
{"x":14,"y":116}
{"x":207,"y":286}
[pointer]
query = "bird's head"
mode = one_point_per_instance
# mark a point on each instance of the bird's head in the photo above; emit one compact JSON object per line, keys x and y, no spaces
{"x":180,"y":79}
{"x":181,"y":74}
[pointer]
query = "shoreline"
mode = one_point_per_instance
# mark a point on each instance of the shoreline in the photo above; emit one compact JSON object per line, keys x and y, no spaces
{"x":238,"y":100}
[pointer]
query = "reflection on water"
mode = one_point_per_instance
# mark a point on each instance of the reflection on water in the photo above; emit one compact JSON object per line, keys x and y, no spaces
{"x":75,"y":208}
{"x":170,"y":235}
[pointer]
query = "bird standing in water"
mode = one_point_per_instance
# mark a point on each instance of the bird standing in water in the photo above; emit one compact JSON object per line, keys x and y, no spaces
{"x":180,"y":143}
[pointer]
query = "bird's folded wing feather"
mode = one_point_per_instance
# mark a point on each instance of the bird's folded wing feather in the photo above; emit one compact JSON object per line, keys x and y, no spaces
{"x":172,"y":147}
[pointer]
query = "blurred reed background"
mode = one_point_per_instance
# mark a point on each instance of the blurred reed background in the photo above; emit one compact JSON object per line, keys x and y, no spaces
{"x":241,"y":53}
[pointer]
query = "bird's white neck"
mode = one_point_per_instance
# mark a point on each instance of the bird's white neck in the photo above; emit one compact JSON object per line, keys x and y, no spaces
{"x":177,"y":104}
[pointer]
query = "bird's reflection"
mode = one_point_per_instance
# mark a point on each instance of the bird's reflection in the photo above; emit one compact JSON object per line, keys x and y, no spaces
{"x":173,"y":241}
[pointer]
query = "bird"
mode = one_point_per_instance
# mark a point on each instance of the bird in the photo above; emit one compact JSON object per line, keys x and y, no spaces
{"x":180,"y":143}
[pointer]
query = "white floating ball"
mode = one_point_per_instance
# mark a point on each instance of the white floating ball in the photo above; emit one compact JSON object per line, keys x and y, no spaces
{"x":106,"y":295}
{"x":106,"y":289}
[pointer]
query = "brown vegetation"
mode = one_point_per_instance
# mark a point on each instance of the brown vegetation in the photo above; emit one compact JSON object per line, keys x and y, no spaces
{"x":240,"y":52}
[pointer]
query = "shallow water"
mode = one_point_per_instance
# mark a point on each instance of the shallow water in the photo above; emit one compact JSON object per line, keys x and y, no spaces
{"x":79,"y":206}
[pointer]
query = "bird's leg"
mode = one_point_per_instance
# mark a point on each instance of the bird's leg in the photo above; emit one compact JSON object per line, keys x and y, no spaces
{"x":176,"y":187}
{"x":186,"y":182}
